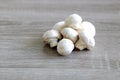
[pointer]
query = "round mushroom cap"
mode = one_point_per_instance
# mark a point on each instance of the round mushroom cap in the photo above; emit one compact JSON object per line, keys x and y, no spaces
{"x":51,"y":34}
{"x":59,"y":26}
{"x":88,"y":28}
{"x":73,"y":19}
{"x":65,"y":47}
{"x":70,"y":33}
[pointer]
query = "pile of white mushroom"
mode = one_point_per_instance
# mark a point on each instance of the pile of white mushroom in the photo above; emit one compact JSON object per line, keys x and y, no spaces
{"x":69,"y":34}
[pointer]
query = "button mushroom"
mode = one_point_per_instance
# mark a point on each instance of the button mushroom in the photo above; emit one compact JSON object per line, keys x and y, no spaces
{"x":73,"y":21}
{"x":86,"y":36}
{"x":65,"y":47}
{"x":51,"y":37}
{"x":59,"y":26}
{"x":70,"y":33}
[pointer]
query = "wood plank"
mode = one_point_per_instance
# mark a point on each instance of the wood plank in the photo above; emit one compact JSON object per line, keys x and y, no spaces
{"x":57,"y":74}
{"x":23,"y":55}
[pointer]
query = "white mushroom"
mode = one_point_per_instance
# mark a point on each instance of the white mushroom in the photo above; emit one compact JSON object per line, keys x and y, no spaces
{"x":73,"y":19}
{"x":88,"y":28}
{"x":51,"y":37}
{"x":70,"y":33}
{"x":86,"y":36}
{"x":65,"y":47}
{"x":85,"y":41}
{"x":59,"y":26}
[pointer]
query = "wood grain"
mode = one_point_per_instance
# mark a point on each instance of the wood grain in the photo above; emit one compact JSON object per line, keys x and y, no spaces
{"x":23,"y":55}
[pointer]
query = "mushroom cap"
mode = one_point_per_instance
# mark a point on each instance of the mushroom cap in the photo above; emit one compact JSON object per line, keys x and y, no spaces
{"x":73,"y":19}
{"x":88,"y":28}
{"x":51,"y":34}
{"x":70,"y":33}
{"x":59,"y":26}
{"x":65,"y":47}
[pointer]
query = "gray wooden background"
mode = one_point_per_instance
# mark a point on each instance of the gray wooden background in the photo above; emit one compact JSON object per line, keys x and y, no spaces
{"x":23,"y":56}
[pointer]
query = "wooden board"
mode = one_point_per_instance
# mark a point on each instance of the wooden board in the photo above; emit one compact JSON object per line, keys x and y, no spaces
{"x":23,"y":55}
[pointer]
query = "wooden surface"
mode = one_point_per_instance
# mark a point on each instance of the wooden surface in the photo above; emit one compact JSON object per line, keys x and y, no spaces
{"x":23,"y":56}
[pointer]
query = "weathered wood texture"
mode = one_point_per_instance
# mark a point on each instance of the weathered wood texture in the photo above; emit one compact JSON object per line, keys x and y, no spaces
{"x":23,"y":56}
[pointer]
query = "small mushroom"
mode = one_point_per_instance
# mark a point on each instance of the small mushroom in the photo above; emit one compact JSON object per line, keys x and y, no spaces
{"x":59,"y":26}
{"x":51,"y":37}
{"x":73,"y":19}
{"x":70,"y":33}
{"x":65,"y":47}
{"x":86,"y":36}
{"x":85,"y":41}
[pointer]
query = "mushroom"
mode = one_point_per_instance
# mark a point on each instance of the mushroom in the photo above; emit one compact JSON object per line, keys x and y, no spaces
{"x":87,"y":28}
{"x":65,"y":47}
{"x":59,"y":26}
{"x":73,"y":19}
{"x":86,"y":36}
{"x":85,"y":41}
{"x":51,"y":37}
{"x":70,"y":33}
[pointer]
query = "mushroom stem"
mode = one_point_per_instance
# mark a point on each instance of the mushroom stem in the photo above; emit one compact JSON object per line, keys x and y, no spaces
{"x":80,"y":44}
{"x":53,"y":42}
